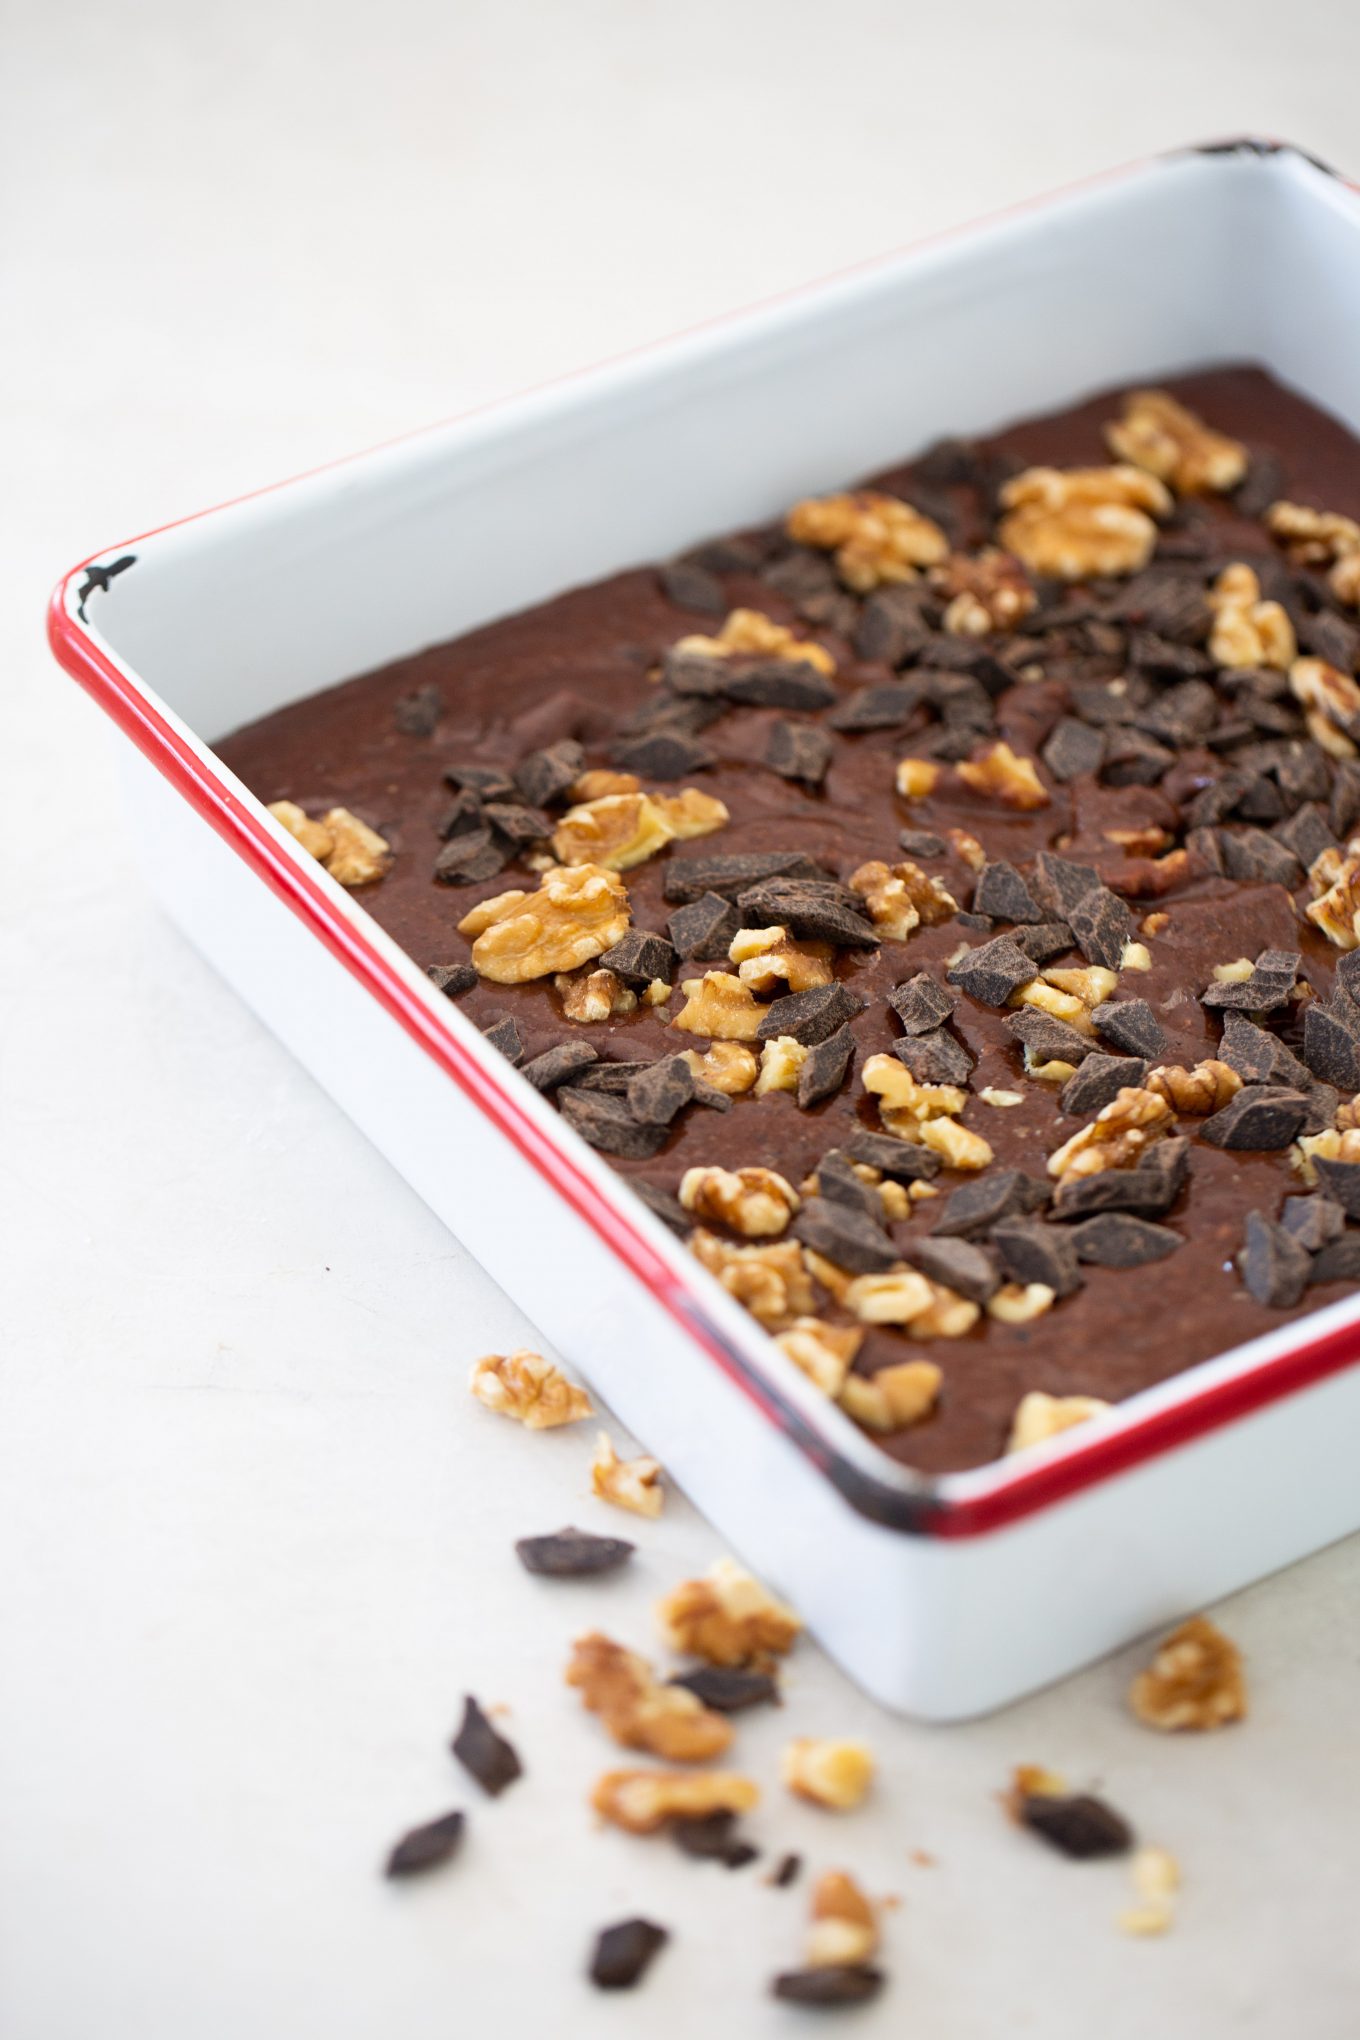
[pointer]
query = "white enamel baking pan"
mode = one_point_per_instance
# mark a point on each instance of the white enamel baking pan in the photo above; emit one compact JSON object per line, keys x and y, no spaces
{"x":946,"y":1596}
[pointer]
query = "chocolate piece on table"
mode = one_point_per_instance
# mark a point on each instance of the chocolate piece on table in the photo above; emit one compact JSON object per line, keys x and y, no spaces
{"x":799,"y":751}
{"x":1099,"y":1079}
{"x":544,"y":776}
{"x":416,"y":714}
{"x":728,"y":1689}
{"x":1338,"y":1261}
{"x":1001,"y":892}
{"x":1273,"y":1265}
{"x":900,"y":1159}
{"x":1032,"y":1251}
{"x":975,"y":1207}
{"x":1132,"y":1026}
{"x":811,"y":1016}
{"x":624,"y":1952}
{"x":1341,"y":1182}
{"x":992,"y":971}
{"x":426,"y":1847}
{"x":484,"y":1752}
{"x":1315,"y":1221}
{"x":1116,"y":1239}
{"x":639,"y":957}
{"x":823,"y":1068}
{"x":1261,"y":1116}
{"x":606,"y":1123}
{"x":690,"y":878}
{"x":572,"y":1554}
{"x":702,"y":931}
{"x":786,"y":1871}
{"x":935,"y":1058}
{"x":452,"y":979}
{"x":504,"y":1036}
{"x":712,"y":1838}
{"x":850,"y":1239}
{"x":845,"y":1983}
{"x":665,"y":1087}
{"x":660,"y":754}
{"x":958,"y":1263}
{"x":922,"y":1004}
{"x":1077,"y":1824}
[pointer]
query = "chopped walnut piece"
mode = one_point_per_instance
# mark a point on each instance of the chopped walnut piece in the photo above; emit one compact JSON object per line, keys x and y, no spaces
{"x":1053,"y":999}
{"x":1331,"y":1145}
{"x":1156,"y":1878}
{"x":691,"y":813}
{"x":625,"y":829}
{"x":916,"y":777}
{"x":1001,"y":1100}
{"x":1145,"y":842}
{"x":844,"y":1925}
{"x":988,"y":592}
{"x":1194,"y":1681}
{"x":1019,"y":1303}
{"x":596,"y":995}
{"x":1160,"y":434}
{"x":966,"y":848}
{"x":727,"y":1617}
{"x":1235,"y":973}
{"x":901,"y":897}
{"x":829,"y":1773}
{"x":780,"y":1063}
{"x":720,"y":1006}
{"x":895,"y":1199}
{"x":1040,"y":1417}
{"x":1246,"y":630}
{"x":632,"y":1484}
{"x":894,"y":1398}
{"x":767,"y":957}
{"x":949,"y":1315}
{"x":876,"y":538}
{"x":1115,"y":1138}
{"x":727,"y":1066}
{"x":835,"y":1281}
{"x":894,"y":1298}
{"x":1313,"y":538}
{"x":1080,"y":523}
{"x":1032,"y":1781}
{"x":1196,"y":1092}
{"x":358,"y":854}
{"x":998,"y":774}
{"x":754,"y":1202}
{"x":315,"y":838}
{"x":893,"y":1084}
{"x":573,"y":917}
{"x":598,"y":785}
{"x":1331,"y":703}
{"x":525,"y":1386}
{"x":1337,"y":911}
{"x":637,"y":1710}
{"x":770,"y":1281}
{"x":959,"y":1146}
{"x":1346,"y":1118}
{"x":1134,"y":955}
{"x":823,"y":1352}
{"x":750,"y":631}
{"x":643,"y":1801}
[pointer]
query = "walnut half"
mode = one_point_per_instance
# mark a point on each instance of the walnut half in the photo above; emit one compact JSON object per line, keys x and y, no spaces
{"x":643,"y":1801}
{"x":637,"y":1710}
{"x":1160,"y":434}
{"x":1194,"y":1681}
{"x":525,"y":1386}
{"x":573,"y":917}
{"x":1075,"y":524}
{"x":726,"y":1618}
{"x":876,"y":538}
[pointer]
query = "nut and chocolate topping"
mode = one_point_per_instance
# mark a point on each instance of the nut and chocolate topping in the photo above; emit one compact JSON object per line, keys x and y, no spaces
{"x":994,"y":826}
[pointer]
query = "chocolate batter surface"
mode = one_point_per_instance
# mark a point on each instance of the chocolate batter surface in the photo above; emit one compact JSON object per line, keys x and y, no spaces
{"x":578,"y":665}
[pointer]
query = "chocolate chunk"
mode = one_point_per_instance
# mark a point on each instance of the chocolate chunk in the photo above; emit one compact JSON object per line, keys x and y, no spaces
{"x":662,"y":1205}
{"x":982,"y":922}
{"x":452,"y":979}
{"x":1306,"y":834}
{"x":1171,"y":604}
{"x":922,"y":1004}
{"x":786,"y":1871}
{"x":799,"y":751}
{"x":1149,"y":1191}
{"x":1214,"y":802}
{"x":517,"y":824}
{"x":1073,"y":748}
{"x":1263,"y":484}
{"x":661,"y":754}
{"x":811,"y":1016}
{"x":922,"y":843}
{"x":1131,"y":759}
{"x":1273,"y":1265}
{"x":958,"y":1263}
{"x":1034,"y":1252}
{"x":991,"y":972}
{"x":1002,"y":893}
{"x":1347,"y":977}
{"x":704,"y":929}
{"x":1205,"y":851}
{"x":503,"y":1035}
{"x":1077,"y":1824}
{"x":425,"y":1848}
{"x":1263,"y":801}
{"x":1260,"y":1118}
{"x":1115,"y":1239}
{"x":745,"y":552}
{"x":974,"y":1208}
{"x":884,"y":707}
{"x":891,"y":628}
{"x":702,"y":674}
{"x":1042,"y":943}
{"x":660,"y":1091}
{"x":1132,"y":1026}
{"x":1184,"y":715}
{"x":685,"y":715}
{"x":1330,"y":637}
{"x":690,"y":586}
{"x":1323,"y":1100}
{"x":1341,"y":1181}
{"x":844,"y":1983}
{"x":1098,"y":1081}
{"x":781,"y":683}
{"x":1257,"y":1055}
{"x":689,"y":878}
{"x":1339,"y":1261}
{"x":712,"y":1839}
{"x":963,"y":702}
{"x":572,"y":1554}
{"x":1108,"y":706}
{"x":802,"y":575}
{"x":1251,"y":854}
{"x":544,"y":776}
{"x":728,"y":1689}
{"x":624,"y":1952}
{"x":470,"y":858}
{"x":464,"y":817}
{"x":849,"y":1238}
{"x":639,"y":957}
{"x":1049,"y":1039}
{"x":1313,"y":1221}
{"x":1058,"y":884}
{"x":901,"y":1159}
{"x":1171,"y":661}
{"x":935,"y":1058}
{"x":614,"y":1077}
{"x":608,"y":1125}
{"x":1101,"y":925}
{"x":1331,"y":1041}
{"x":823,"y":1068}
{"x":1343,"y":808}
{"x":483,"y":1751}
{"x":838,"y":1183}
{"x":416,"y":714}
{"x":1262,"y":992}
{"x":813,"y":910}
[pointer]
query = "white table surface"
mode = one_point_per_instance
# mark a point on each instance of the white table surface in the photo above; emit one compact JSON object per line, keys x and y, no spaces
{"x":254,"y":1540}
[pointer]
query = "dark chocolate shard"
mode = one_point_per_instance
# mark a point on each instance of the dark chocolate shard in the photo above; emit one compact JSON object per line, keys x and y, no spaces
{"x":1101,"y":925}
{"x":885,"y":707}
{"x":982,"y":922}
{"x":1306,"y":834}
{"x":891,"y":627}
{"x":684,"y":714}
{"x":1034,"y":1252}
{"x":992,"y":971}
{"x":484,"y":1751}
{"x":544,"y":776}
{"x":1331,"y":637}
{"x":452,"y":979}
{"x":660,"y":754}
{"x":1001,"y":892}
{"x":1099,"y":1079}
{"x":1323,"y":1100}
{"x":1252,"y":854}
{"x":1262,"y":992}
{"x":728,"y":1689}
{"x":416,"y":714}
{"x":1338,"y":1261}
{"x":503,"y":1035}
{"x":713,"y":1839}
{"x":975,"y":1207}
{"x":661,"y":1091}
{"x":843,"y":1983}
{"x":1132,"y":759}
{"x":1260,"y":1118}
{"x":1077,"y":1824}
{"x":922,"y":1004}
{"x":690,"y":586}
{"x":1341,"y":1182}
{"x":1073,"y":748}
{"x":1264,"y":483}
{"x":958,"y":1263}
{"x":1044,"y":942}
{"x":425,"y":1847}
{"x":703,"y":930}
{"x":1149,"y":1191}
{"x":848,"y":1238}
{"x":608,"y":1125}
{"x":704,"y":675}
{"x":483,"y":782}
{"x":1058,"y":884}
{"x":1314,"y":1221}
{"x":1132,"y":1026}
{"x":463,"y":817}
{"x":1116,"y":1239}
{"x":639,"y":957}
{"x":1048,"y":1039}
{"x":922,"y":843}
{"x":614,"y":1077}
{"x":1331,"y":1041}
{"x":935,"y":1058}
{"x":781,"y":683}
{"x":469,"y":858}
{"x":786,"y":1871}
{"x":838,"y":1183}
{"x":624,"y":1952}
{"x":1183,"y":715}
{"x":900,"y":1159}
{"x":1257,"y":1055}
{"x":572,"y":1554}
{"x":1273,"y":1265}
{"x":689,"y":878}
{"x":799,"y":751}
{"x":664,"y":1206}
{"x":519,"y":825}
{"x":811,"y":1016}
{"x":1347,"y":977}
{"x":812,"y":911}
{"x":824,"y":1068}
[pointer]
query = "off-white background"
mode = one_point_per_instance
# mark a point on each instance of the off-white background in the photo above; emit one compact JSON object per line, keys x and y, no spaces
{"x":255,"y":1541}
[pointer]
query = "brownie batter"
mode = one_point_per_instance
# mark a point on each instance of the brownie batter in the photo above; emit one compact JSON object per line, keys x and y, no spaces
{"x":580,"y":665}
